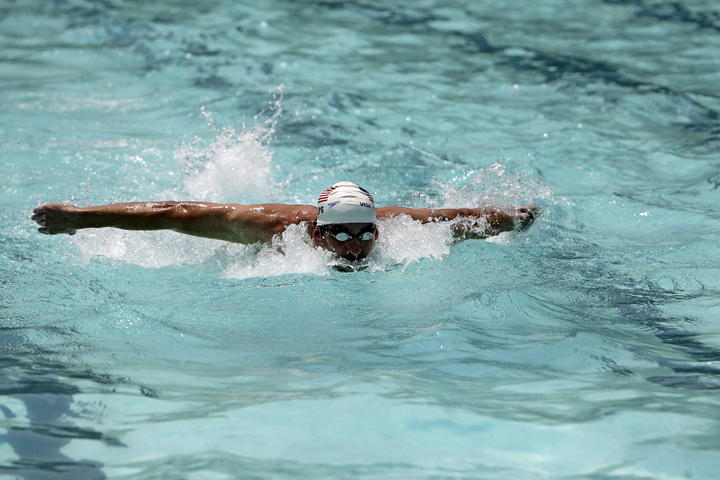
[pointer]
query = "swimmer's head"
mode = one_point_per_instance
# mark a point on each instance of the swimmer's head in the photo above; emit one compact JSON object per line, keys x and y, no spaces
{"x":346,"y":221}
{"x":345,"y":202}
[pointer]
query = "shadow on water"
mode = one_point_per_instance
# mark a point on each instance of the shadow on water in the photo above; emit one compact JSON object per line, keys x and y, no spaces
{"x":38,"y":383}
{"x":38,"y":435}
{"x":638,"y":304}
{"x":38,"y":439}
{"x":145,"y":35}
{"x":556,"y":66}
{"x":672,"y":12}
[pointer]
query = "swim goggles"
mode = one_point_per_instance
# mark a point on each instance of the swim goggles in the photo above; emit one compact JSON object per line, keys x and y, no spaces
{"x":344,"y":236}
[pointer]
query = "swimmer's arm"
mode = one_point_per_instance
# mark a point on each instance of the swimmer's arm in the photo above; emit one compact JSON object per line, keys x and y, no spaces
{"x":472,"y":222}
{"x":231,"y":222}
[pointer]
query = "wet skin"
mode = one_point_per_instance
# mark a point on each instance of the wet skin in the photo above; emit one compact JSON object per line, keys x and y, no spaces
{"x":260,"y":223}
{"x":351,"y":250}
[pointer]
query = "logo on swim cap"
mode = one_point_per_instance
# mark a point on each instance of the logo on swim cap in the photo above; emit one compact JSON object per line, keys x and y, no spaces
{"x":345,"y":202}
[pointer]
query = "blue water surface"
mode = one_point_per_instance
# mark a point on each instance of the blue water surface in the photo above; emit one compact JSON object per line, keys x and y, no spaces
{"x":587,"y":347}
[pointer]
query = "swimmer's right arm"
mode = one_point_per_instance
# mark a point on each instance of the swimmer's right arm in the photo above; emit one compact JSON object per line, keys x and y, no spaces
{"x":230,"y":222}
{"x":474,"y":222}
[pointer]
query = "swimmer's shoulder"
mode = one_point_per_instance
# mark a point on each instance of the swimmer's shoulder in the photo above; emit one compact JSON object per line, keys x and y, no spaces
{"x":422,"y":214}
{"x":272,"y":215}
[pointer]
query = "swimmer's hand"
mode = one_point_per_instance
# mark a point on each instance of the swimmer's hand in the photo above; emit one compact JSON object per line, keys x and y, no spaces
{"x":55,"y":218}
{"x":489,"y":221}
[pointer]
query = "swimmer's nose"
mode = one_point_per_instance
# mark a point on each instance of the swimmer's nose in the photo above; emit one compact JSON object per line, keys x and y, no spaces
{"x":354,"y":246}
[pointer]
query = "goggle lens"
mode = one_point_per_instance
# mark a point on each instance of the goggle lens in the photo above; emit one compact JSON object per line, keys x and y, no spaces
{"x":344,"y":236}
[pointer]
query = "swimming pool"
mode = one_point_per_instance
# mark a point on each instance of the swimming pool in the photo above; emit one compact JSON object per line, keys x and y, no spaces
{"x":584,"y":348}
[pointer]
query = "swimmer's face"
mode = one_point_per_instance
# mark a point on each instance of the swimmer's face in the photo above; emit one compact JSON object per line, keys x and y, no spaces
{"x":362,"y":239}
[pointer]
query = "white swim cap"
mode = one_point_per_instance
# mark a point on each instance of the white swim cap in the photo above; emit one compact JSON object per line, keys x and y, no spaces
{"x":345,"y":202}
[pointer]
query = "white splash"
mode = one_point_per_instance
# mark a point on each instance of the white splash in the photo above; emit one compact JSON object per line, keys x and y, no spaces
{"x":154,"y":249}
{"x":402,"y":241}
{"x":494,"y":186}
{"x":289,"y":253}
{"x":237,"y":165}
{"x":405,"y":241}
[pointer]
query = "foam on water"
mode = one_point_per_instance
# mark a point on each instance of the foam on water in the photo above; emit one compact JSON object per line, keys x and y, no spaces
{"x":291,"y":252}
{"x":403,"y":241}
{"x":155,"y":249}
{"x":235,"y":166}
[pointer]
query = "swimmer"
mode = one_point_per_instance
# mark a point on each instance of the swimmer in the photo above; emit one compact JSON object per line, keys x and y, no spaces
{"x":344,"y":221}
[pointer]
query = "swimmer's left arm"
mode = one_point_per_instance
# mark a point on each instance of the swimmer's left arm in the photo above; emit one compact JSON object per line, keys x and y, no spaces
{"x":469,"y":224}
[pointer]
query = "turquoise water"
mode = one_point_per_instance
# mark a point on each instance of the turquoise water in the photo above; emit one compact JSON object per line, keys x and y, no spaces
{"x":587,"y":347}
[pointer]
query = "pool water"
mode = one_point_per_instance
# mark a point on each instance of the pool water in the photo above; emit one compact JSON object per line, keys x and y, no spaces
{"x":587,"y":347}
